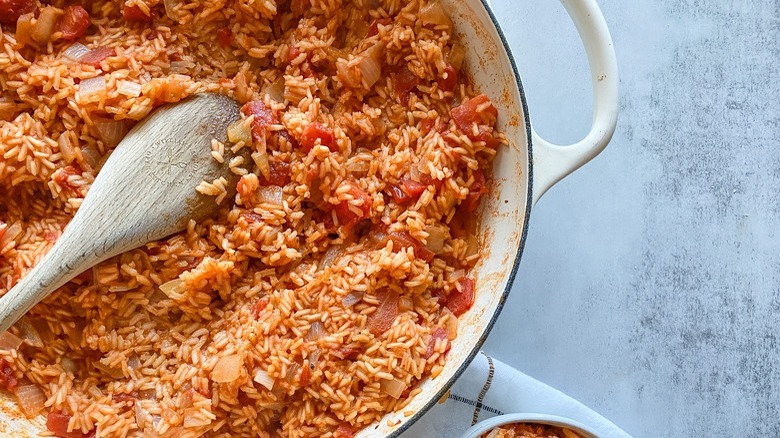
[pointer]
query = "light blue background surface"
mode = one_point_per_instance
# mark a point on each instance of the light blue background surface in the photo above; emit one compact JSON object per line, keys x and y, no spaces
{"x":649,"y":285}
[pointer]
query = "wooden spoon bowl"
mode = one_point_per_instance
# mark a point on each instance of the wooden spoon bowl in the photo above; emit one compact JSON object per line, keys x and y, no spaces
{"x":144,"y":192}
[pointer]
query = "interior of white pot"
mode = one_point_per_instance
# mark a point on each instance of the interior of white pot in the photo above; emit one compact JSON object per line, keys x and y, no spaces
{"x":503,"y":213}
{"x":502,"y":225}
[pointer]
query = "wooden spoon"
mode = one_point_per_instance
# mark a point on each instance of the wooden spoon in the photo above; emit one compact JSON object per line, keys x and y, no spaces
{"x":144,"y":192}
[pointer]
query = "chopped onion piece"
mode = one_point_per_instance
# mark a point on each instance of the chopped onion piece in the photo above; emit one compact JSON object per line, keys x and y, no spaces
{"x":170,"y":10}
{"x":66,"y":149}
{"x":75,"y":52}
{"x":392,"y":387}
{"x":31,"y":399}
{"x":437,"y":234}
{"x":292,"y":372}
{"x":451,"y":325}
{"x":115,"y":373}
{"x":69,"y":365}
{"x":110,"y":131}
{"x":24,"y":28}
{"x":129,"y":88}
{"x":405,"y":303}
{"x":44,"y":27}
{"x":472,"y":245}
{"x":352,"y":298}
{"x":92,"y":156}
{"x":313,"y":358}
{"x":182,"y":67}
{"x":147,"y":394}
{"x":7,"y":108}
{"x":141,"y":415}
{"x":29,"y":333}
{"x":171,"y":288}
{"x":344,"y":73}
{"x":275,"y":91}
{"x":261,"y":160}
{"x":239,"y":131}
{"x":90,"y":87}
{"x":316,"y":332}
{"x":9,"y":341}
{"x":227,"y":369}
{"x":456,"y":57}
{"x":435,"y":14}
{"x":134,"y":363}
{"x":369,"y":65}
{"x":455,"y":275}
{"x":333,"y":253}
{"x":94,"y":391}
{"x":270,"y":194}
{"x":264,"y":379}
{"x":194,"y":417}
{"x":11,"y":234}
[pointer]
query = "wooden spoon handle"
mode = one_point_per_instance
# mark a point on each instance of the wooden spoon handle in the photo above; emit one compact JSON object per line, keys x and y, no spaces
{"x":55,"y":269}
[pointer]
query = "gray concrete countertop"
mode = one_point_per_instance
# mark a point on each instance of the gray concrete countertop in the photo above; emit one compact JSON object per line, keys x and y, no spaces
{"x":649,"y":287}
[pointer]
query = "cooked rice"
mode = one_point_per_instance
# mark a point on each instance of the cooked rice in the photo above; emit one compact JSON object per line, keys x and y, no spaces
{"x":176,"y":338}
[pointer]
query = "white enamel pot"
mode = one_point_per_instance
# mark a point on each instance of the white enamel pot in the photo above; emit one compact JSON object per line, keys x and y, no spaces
{"x":522,"y":173}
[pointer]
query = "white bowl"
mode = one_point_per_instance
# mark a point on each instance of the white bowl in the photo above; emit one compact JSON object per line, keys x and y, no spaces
{"x":480,"y":428}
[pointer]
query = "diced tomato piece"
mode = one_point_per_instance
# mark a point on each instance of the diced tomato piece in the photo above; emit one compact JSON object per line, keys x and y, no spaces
{"x":299,"y":7}
{"x":224,"y":36}
{"x":57,"y":423}
{"x":461,"y":298}
{"x":7,"y":378}
{"x":293,"y":53}
{"x":345,"y":430}
{"x":477,"y":189}
{"x":134,"y":13}
{"x":95,"y":56}
{"x":429,"y":181}
{"x":374,"y":28}
{"x":83,"y":278}
{"x":11,"y":10}
{"x":317,"y":131}
{"x":286,"y":135}
{"x":438,"y":335}
{"x":258,"y":307}
{"x":305,"y":375}
{"x":74,"y":22}
{"x":403,"y":83}
{"x":403,"y":239}
{"x":427,"y":125}
{"x":485,"y":133}
{"x":467,"y":113}
{"x":243,"y":188}
{"x":349,"y":352}
{"x":449,"y":79}
{"x":407,"y":190}
{"x":280,"y":174}
{"x":347,"y":217}
{"x":124,"y":397}
{"x":264,"y":116}
{"x":252,"y":217}
{"x":62,"y":176}
{"x":386,"y":312}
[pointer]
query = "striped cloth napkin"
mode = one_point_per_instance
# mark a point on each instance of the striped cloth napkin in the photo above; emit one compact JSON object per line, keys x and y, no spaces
{"x":488,"y":388}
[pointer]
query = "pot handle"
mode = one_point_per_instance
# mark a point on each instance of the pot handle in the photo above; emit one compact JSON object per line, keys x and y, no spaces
{"x":553,"y":162}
